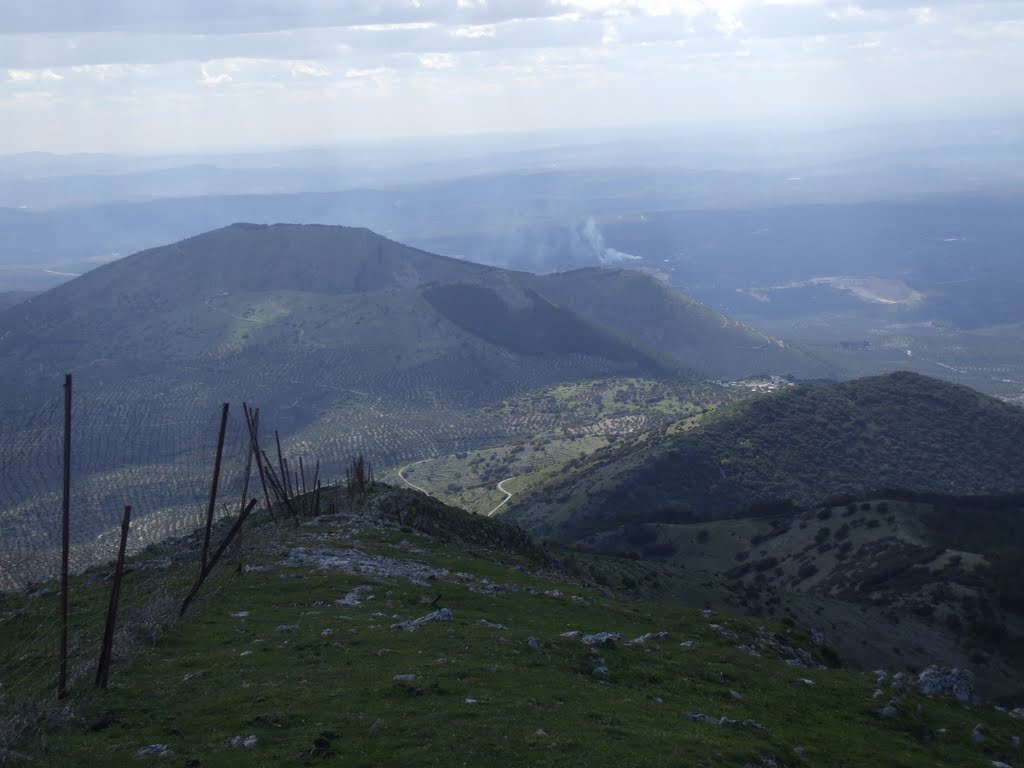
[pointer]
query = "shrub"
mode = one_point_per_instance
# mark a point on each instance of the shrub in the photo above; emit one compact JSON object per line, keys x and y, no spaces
{"x":807,"y":570}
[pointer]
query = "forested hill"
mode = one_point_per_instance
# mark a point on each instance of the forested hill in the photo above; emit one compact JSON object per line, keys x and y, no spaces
{"x":807,"y":443}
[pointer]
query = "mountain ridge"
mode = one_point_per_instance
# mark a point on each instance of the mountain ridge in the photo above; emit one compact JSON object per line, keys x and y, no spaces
{"x":803,"y":444}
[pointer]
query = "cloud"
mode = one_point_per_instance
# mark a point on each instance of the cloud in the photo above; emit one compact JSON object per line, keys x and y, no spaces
{"x":239,"y":16}
{"x":308,"y":69}
{"x":468,"y":65}
{"x":208,"y":78}
{"x":28,"y":76}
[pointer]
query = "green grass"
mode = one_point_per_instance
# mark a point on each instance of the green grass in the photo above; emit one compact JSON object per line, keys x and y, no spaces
{"x":194,"y":690}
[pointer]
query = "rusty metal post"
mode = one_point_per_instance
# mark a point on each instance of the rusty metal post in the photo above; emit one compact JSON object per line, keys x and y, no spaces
{"x":62,"y":681}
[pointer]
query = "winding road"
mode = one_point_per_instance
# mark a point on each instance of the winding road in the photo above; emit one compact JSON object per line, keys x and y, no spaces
{"x":411,"y":484}
{"x":401,"y":476}
{"x":508,"y":495}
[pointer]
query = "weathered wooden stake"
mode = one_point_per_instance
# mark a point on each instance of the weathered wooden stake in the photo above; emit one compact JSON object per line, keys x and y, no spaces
{"x":252,"y":419}
{"x":216,"y":556}
{"x":248,"y":473}
{"x":281,"y":463}
{"x":62,"y":681}
{"x":216,"y":480}
{"x":106,"y":654}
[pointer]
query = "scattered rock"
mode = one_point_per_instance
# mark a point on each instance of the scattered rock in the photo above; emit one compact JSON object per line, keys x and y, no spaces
{"x":644,"y":639}
{"x":535,"y":642}
{"x":540,"y":733}
{"x":327,"y":632}
{"x":806,"y":682}
{"x":243,"y":742}
{"x":245,"y":653}
{"x":943,"y":681}
{"x":358,"y":562}
{"x":194,"y":676}
{"x":688,"y":645}
{"x":978,"y":734}
{"x":699,"y":717}
{"x":1017,"y":714}
{"x":998,"y":764}
{"x":606,"y":639}
{"x":601,"y":672}
{"x":492,"y":625}
{"x":154,"y":750}
{"x":444,"y":614}
{"x":736,"y":695}
{"x":571,"y":634}
{"x":1015,"y":742}
{"x":287,"y":628}
{"x":405,"y":678}
{"x":470,"y":701}
{"x":322,"y":744}
{"x":707,"y":613}
{"x":799,"y":751}
{"x":241,"y":615}
{"x":889,"y":711}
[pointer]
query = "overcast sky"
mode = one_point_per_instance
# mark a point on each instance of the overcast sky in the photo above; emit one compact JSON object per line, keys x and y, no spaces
{"x":145,"y":75}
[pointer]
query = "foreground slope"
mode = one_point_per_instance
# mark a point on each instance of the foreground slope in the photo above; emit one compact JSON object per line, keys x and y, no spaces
{"x":806,"y":443}
{"x":306,"y":657}
{"x":898,"y":579}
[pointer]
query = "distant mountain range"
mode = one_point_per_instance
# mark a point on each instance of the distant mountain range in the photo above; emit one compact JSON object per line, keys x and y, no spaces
{"x":805,"y":444}
{"x":344,"y":308}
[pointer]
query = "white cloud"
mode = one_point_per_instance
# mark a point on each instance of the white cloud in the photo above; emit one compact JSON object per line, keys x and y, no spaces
{"x":308,"y":69}
{"x":475,"y":32}
{"x":28,"y":75}
{"x":497,"y":64}
{"x":208,"y":78}
{"x":437,"y":61}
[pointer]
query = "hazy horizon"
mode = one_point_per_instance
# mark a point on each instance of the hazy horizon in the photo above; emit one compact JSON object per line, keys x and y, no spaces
{"x":198,"y":78}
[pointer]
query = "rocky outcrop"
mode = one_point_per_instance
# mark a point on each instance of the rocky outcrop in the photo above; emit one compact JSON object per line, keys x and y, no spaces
{"x":944,"y":681}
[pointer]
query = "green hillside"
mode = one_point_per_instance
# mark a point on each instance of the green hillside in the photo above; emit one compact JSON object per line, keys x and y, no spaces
{"x":305,"y":656}
{"x":804,"y":444}
{"x":642,"y":308}
{"x":894,"y":579}
{"x":10,"y":298}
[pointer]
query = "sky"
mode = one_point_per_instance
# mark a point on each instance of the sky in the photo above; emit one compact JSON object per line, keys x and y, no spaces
{"x":197,"y":75}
